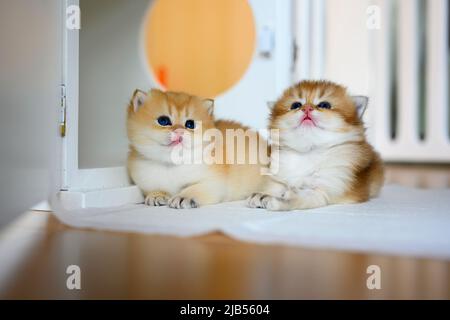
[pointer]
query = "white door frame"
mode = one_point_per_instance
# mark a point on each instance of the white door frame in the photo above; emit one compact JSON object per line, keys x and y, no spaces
{"x":108,"y":186}
{"x":73,"y":177}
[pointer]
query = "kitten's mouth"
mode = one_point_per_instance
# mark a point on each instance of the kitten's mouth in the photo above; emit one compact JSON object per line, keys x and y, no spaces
{"x":307,"y":120}
{"x":176,"y":141}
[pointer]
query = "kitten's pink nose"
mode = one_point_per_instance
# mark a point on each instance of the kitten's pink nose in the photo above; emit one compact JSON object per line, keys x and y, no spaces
{"x":178,"y":132}
{"x":176,"y":136}
{"x":307,"y":108}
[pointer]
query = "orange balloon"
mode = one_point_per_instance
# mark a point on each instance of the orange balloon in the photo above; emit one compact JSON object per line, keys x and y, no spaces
{"x":201,"y":47}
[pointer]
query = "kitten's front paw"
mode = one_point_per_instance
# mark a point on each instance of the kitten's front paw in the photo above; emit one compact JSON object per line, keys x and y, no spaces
{"x":274,"y":203}
{"x":257,"y":200}
{"x":265,"y":201}
{"x":157,"y":198}
{"x":181,"y":202}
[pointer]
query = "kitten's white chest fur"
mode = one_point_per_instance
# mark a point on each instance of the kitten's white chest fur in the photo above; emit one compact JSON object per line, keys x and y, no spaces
{"x":299,"y":170}
{"x":328,"y":168}
{"x":152,"y":175}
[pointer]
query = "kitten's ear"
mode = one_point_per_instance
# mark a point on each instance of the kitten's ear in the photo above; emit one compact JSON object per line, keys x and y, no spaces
{"x":209,"y":104}
{"x":138,"y":99}
{"x":361,"y":103}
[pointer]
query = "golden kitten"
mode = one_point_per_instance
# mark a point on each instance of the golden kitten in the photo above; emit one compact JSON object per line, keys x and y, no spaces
{"x":163,"y":124}
{"x":322,"y":156}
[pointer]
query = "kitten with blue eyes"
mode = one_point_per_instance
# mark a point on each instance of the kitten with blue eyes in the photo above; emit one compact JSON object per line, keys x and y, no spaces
{"x":322,"y":156}
{"x":163,"y":124}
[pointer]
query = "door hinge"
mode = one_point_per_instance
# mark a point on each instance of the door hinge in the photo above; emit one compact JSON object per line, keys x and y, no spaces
{"x":62,"y":119}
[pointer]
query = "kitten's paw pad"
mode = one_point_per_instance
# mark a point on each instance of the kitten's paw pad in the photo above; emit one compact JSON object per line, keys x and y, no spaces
{"x":179,"y":202}
{"x":257,"y":200}
{"x":156,"y":199}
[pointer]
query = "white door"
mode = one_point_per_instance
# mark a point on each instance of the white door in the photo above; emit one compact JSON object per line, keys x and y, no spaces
{"x":108,"y":58}
{"x":30,"y":76}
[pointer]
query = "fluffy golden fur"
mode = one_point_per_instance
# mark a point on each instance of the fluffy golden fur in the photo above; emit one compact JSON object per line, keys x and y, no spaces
{"x":322,"y":156}
{"x":152,"y":146}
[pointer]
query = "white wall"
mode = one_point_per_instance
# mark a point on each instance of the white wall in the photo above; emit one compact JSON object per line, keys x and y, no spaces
{"x":110,"y":70}
{"x":347,"y":44}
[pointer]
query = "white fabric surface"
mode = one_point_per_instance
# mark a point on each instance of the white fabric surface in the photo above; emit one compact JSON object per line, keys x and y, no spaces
{"x":402,"y":221}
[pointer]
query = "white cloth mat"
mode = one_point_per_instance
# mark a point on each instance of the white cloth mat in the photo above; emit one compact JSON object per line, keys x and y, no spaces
{"x":402,"y":221}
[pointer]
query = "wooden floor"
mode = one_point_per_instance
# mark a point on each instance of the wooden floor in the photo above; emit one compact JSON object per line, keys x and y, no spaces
{"x":36,"y":250}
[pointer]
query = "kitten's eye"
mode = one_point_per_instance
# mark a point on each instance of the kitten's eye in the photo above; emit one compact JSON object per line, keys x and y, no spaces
{"x":296,"y":105}
{"x":164,"y":121}
{"x":190,"y":124}
{"x":324,"y":105}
